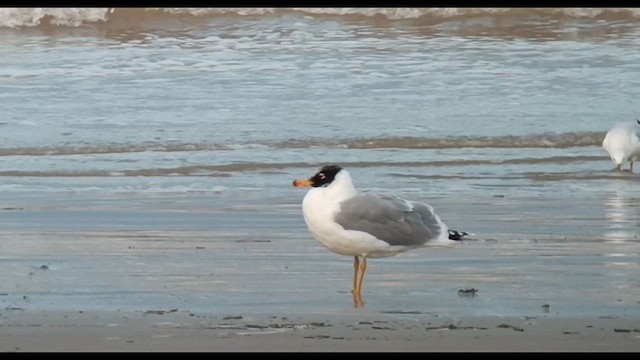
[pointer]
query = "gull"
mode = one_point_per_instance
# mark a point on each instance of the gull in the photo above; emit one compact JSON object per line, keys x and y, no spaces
{"x":367,"y":225}
{"x":622,"y":144}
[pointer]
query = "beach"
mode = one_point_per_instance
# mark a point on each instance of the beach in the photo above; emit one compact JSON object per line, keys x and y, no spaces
{"x":147,"y":157}
{"x":188,"y":332}
{"x":257,"y":281}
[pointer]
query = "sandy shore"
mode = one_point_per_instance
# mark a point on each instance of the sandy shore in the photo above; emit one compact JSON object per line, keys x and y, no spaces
{"x":175,"y":330}
{"x":550,"y":276}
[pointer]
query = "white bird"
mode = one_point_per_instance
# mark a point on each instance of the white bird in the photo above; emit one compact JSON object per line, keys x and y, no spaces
{"x":367,"y":225}
{"x":622,"y":144}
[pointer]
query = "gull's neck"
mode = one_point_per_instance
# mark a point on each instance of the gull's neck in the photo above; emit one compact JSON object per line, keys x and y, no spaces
{"x":341,"y":188}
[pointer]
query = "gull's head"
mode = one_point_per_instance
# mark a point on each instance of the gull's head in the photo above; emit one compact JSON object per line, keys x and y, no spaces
{"x":617,"y":158}
{"x":323,"y":177}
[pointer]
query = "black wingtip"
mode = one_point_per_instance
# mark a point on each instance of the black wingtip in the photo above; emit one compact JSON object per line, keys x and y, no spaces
{"x":638,"y":120}
{"x":457,"y":235}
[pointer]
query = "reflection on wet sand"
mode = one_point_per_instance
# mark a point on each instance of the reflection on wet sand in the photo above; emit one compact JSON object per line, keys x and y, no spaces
{"x":620,"y":248}
{"x":621,"y":213}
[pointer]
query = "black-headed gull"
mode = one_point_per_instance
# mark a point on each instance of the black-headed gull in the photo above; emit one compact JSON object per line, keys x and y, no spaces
{"x":367,"y":225}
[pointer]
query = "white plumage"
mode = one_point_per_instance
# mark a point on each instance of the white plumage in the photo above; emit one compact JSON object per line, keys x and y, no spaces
{"x":622,"y":144}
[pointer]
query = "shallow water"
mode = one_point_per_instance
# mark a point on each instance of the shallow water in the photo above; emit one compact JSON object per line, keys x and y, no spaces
{"x":146,"y":157}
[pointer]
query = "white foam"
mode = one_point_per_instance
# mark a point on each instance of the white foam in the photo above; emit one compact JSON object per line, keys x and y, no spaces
{"x":29,"y":17}
{"x":14,"y":17}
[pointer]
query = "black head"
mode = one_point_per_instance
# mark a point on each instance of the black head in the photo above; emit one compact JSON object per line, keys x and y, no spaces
{"x":325,"y":176}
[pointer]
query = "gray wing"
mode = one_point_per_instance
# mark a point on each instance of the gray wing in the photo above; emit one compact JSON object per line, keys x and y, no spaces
{"x":389,"y":218}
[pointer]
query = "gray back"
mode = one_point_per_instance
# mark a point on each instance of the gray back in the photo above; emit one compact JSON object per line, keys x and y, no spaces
{"x":389,"y":218}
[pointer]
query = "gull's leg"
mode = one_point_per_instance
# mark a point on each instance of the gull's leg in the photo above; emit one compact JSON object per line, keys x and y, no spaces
{"x":363,"y":270}
{"x":357,"y":297}
{"x":619,"y":167}
{"x":632,"y":166}
{"x":356,"y":267}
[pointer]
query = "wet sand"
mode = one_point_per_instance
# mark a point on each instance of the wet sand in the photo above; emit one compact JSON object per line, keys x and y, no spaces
{"x":175,"y":330}
{"x":548,"y":274}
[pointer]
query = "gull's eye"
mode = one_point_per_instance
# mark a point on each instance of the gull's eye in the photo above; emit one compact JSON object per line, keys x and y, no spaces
{"x":321,"y":176}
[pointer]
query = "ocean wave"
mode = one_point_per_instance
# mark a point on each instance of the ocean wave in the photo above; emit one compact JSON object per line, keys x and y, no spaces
{"x":75,"y":17}
{"x":545,"y":140}
{"x":30,"y":17}
{"x":224,"y":170}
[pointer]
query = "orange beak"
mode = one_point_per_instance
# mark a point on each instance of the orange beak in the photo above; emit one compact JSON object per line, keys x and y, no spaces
{"x":302,"y":182}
